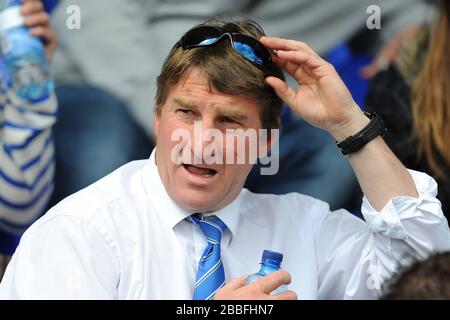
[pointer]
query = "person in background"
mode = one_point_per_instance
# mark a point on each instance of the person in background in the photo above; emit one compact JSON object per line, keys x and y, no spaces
{"x":413,"y":98}
{"x":26,"y":148}
{"x":106,"y":71}
{"x":427,"y":279}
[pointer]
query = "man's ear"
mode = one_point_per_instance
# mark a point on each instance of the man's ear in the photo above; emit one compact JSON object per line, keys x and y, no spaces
{"x":266,"y":142}
{"x":156,"y":123}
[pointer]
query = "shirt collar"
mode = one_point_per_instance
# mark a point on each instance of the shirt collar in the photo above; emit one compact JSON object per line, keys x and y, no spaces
{"x":230,"y":215}
{"x":171,"y":212}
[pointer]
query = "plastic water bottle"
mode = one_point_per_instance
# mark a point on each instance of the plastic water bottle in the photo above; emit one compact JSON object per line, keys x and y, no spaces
{"x":270,"y":262}
{"x":27,"y":70}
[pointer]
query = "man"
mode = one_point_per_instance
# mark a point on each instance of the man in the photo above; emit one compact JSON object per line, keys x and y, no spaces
{"x":26,"y":147}
{"x":165,"y":229}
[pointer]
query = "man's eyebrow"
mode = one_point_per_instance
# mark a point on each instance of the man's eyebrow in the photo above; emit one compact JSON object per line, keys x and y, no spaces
{"x":233,"y":113}
{"x":186,"y":104}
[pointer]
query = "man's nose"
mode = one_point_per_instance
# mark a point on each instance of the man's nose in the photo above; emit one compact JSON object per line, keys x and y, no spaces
{"x":207,"y":137}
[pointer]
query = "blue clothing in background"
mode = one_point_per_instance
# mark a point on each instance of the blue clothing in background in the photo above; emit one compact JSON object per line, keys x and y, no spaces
{"x":94,"y":136}
{"x":49,"y":5}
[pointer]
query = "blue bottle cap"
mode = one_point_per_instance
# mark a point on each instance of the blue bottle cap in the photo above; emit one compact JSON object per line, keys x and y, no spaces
{"x":272,"y":255}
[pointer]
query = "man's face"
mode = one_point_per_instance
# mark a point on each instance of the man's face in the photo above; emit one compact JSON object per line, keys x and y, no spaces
{"x":198,"y":186}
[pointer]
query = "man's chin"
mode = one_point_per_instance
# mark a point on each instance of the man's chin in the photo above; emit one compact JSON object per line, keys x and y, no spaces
{"x":199,"y":203}
{"x":199,"y":207}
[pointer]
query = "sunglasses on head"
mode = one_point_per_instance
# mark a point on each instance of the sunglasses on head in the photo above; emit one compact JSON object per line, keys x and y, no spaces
{"x":246,"y":46}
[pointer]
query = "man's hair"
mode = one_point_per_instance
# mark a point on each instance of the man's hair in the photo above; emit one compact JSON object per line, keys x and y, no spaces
{"x":226,"y":70}
{"x":428,"y":279}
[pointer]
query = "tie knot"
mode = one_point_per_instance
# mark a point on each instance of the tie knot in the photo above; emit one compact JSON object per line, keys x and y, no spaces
{"x":212,"y":227}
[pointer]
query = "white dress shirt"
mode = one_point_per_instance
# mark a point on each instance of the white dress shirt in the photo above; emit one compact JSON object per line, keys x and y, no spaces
{"x":124,"y":238}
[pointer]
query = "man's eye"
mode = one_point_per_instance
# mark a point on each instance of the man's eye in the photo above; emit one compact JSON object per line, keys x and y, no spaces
{"x":228,"y":120}
{"x":185,"y":111}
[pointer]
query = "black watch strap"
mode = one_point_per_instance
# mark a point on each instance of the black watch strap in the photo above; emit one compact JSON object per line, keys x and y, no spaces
{"x":355,"y":142}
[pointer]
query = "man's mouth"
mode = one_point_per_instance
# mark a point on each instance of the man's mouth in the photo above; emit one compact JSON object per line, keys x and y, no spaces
{"x":199,"y":171}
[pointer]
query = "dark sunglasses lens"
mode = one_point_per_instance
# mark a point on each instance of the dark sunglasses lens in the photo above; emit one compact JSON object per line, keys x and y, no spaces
{"x":200,"y":36}
{"x":246,"y":51}
{"x":251,"y":48}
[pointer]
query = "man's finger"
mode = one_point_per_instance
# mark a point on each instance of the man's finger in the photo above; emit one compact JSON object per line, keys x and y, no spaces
{"x":235,"y":284}
{"x":37,"y":19}
{"x":301,"y":57}
{"x":286,"y":45}
{"x":293,"y":69}
{"x":31,"y":6}
{"x":273,"y":281}
{"x":296,"y":71}
{"x":45,"y":33}
{"x":286,"y":93}
{"x":287,"y":295}
{"x":311,"y":66}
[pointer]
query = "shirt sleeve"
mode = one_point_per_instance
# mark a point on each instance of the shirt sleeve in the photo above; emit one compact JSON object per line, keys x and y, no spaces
{"x":26,"y":163}
{"x":77,"y":263}
{"x":355,"y":257}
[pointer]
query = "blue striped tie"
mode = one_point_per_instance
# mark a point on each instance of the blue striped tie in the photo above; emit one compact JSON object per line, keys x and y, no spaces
{"x":210,"y":274}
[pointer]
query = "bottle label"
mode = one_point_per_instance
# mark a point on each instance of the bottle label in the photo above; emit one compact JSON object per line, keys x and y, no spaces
{"x":11,"y":18}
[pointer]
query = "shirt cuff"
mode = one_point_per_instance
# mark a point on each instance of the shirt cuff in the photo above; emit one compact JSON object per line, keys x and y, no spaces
{"x":388,"y":221}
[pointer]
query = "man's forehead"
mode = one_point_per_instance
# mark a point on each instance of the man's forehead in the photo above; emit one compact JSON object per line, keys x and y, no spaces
{"x":195,"y":87}
{"x":195,"y":91}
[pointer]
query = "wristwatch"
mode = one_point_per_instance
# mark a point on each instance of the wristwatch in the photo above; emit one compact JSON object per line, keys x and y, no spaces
{"x":355,"y":142}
